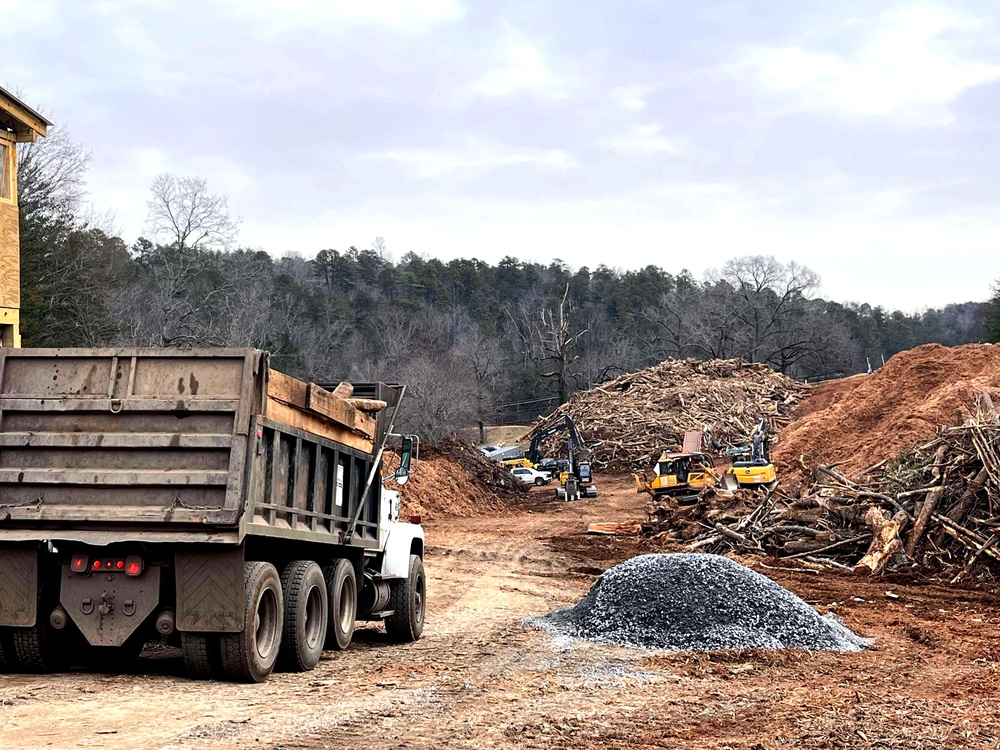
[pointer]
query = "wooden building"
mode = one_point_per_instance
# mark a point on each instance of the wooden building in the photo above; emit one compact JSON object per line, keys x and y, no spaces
{"x":18,"y":124}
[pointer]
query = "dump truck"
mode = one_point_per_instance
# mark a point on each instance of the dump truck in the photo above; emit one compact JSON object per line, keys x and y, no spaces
{"x":201,"y":497}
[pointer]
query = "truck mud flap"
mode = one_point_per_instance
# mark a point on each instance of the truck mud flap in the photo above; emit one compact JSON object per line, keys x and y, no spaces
{"x":210,"y":596}
{"x":18,"y":585}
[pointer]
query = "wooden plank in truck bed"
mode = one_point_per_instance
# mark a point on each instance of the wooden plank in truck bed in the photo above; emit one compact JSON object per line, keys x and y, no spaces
{"x":321,"y":405}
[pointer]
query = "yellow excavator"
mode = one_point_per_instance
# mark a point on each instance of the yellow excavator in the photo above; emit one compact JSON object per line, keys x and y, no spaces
{"x":577,"y":479}
{"x":752,"y":465}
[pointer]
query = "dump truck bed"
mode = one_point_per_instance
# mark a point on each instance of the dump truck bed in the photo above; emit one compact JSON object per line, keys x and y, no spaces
{"x":202,"y":445}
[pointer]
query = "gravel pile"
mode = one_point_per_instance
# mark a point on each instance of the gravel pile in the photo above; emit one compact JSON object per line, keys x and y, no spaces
{"x":695,"y":602}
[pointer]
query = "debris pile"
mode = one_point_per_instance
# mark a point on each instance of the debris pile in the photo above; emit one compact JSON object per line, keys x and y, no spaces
{"x":696,"y":602}
{"x":491,"y":475}
{"x":888,"y":411}
{"x":934,"y":509}
{"x":455,"y":480}
{"x":630,"y":420}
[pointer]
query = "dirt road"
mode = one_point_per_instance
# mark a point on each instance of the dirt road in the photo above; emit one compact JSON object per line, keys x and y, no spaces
{"x":478,"y":679}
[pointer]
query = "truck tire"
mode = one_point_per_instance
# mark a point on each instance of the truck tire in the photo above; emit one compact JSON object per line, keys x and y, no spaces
{"x":39,"y":648}
{"x":306,"y":615}
{"x":408,"y":600}
{"x":7,"y":663}
{"x":250,"y":655}
{"x":201,"y":654}
{"x":342,"y":586}
{"x":539,"y":481}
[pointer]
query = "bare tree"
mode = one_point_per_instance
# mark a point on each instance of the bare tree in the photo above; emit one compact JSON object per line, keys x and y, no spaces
{"x":441,"y":395}
{"x":550,"y":343}
{"x":769,"y":301}
{"x":183,"y":213}
{"x":485,"y":358}
{"x":51,"y":176}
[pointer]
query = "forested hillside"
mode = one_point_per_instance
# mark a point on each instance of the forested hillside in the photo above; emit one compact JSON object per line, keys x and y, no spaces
{"x":473,"y":340}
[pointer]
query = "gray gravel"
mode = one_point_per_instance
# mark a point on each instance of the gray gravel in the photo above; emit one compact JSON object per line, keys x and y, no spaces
{"x":696,"y":602}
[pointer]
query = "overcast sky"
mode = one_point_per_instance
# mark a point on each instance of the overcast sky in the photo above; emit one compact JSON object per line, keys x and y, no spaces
{"x":856,"y":137}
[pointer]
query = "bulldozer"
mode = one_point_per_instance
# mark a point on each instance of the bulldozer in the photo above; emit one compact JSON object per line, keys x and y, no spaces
{"x":680,"y":475}
{"x":752,"y":465}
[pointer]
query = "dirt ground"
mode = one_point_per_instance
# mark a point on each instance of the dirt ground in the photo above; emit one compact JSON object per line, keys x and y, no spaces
{"x":478,"y":679}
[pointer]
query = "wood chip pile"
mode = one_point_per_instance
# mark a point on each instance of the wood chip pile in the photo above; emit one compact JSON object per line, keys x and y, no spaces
{"x":454,"y":480}
{"x":489,"y":474}
{"x":630,"y":420}
{"x":934,"y":509}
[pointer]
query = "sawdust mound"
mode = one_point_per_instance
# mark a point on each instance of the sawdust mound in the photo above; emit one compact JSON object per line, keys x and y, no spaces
{"x":630,"y":420}
{"x":696,"y":602}
{"x":891,"y":410}
{"x":452,"y":481}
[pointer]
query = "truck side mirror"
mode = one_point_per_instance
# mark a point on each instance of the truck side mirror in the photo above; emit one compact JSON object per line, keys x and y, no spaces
{"x":409,"y":453}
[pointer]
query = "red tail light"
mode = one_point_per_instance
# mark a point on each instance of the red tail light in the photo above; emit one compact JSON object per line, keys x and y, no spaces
{"x":120,"y":564}
{"x":133,"y":565}
{"x":80,"y":563}
{"x":415,"y":519}
{"x":97,"y":564}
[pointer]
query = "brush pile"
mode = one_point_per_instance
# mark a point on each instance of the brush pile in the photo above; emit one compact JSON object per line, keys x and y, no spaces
{"x":935,"y":508}
{"x":629,"y":421}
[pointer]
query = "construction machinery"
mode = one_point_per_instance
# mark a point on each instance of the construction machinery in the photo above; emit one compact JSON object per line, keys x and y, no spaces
{"x":197,"y":496}
{"x":680,"y":475}
{"x":517,"y":463}
{"x":577,"y":479}
{"x":752,"y":466}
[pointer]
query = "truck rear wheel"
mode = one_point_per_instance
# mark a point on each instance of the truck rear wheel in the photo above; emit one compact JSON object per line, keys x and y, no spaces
{"x":201,"y":654}
{"x":40,"y":648}
{"x":306,"y":614}
{"x":250,"y":655}
{"x":343,"y":589}
{"x":408,"y":600}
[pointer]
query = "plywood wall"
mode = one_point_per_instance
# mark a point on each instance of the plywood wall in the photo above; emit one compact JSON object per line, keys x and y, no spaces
{"x":10,"y":273}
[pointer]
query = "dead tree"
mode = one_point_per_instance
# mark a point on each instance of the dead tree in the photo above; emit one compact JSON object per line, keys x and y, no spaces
{"x":550,"y":345}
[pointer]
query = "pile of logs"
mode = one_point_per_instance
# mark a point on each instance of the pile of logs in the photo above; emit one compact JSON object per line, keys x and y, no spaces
{"x":933,"y":509}
{"x":629,"y":421}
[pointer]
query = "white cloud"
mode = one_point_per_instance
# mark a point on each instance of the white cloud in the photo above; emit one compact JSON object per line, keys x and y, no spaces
{"x":18,"y":17}
{"x":472,"y":156}
{"x":632,"y":97}
{"x":399,"y":15}
{"x":906,"y":70}
{"x":523,"y":70}
{"x":643,"y":140}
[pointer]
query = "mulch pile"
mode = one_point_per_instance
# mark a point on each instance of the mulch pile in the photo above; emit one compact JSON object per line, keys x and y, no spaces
{"x":627,"y":422}
{"x":456,"y":480}
{"x":889,"y":411}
